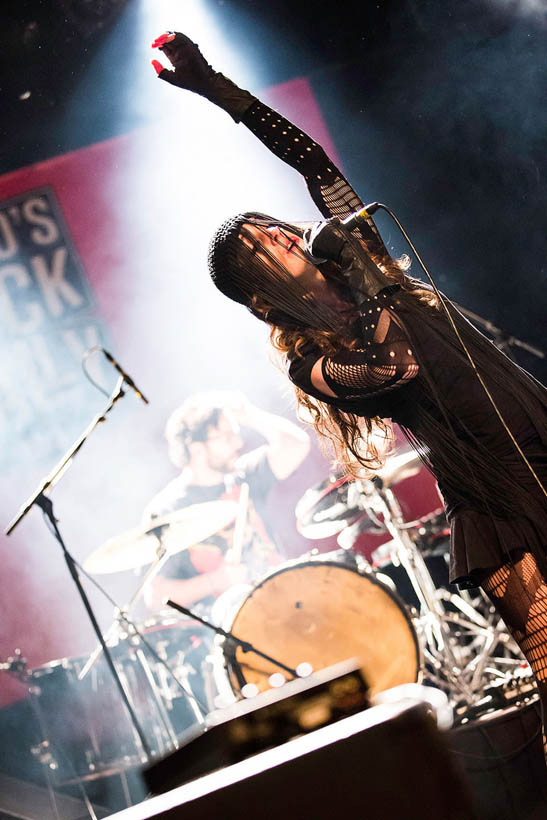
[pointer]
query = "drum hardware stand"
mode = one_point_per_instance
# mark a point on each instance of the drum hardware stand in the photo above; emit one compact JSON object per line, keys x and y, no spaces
{"x":40,"y":499}
{"x":199,"y":709}
{"x":453,"y":665}
{"x":245,"y":645}
{"x":132,"y":632}
{"x":121,"y":612}
{"x":383,"y":501}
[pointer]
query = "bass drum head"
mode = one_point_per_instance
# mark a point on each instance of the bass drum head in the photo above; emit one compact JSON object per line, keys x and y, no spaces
{"x":322,"y":613}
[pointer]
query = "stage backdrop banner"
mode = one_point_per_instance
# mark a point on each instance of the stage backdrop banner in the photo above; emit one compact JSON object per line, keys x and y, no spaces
{"x":48,"y":321}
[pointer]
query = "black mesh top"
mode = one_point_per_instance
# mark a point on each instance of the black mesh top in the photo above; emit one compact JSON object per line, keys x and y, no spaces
{"x":330,"y":191}
{"x":383,"y":363}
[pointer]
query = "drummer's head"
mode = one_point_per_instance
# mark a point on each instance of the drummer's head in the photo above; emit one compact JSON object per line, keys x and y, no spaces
{"x":202,"y":430}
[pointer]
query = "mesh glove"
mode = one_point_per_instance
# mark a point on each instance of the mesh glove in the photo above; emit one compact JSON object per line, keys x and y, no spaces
{"x":331,"y":240}
{"x":193,"y":72}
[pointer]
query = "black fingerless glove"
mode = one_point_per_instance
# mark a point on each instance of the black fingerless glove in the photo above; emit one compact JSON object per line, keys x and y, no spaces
{"x":331,"y":240}
{"x":193,"y":72}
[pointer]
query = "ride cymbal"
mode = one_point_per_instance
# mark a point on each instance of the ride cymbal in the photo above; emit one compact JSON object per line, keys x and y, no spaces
{"x":174,"y":532}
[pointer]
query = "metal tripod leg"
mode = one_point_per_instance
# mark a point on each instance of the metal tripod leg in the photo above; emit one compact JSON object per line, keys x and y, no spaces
{"x":407,"y":554}
{"x":458,"y":643}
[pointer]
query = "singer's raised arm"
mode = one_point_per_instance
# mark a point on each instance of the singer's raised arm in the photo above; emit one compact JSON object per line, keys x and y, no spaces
{"x":330,"y":191}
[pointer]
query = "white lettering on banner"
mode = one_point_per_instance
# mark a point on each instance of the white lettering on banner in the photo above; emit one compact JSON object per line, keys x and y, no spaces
{"x":47,"y":231}
{"x":30,"y":314}
{"x":8,"y":241}
{"x":53,"y":282}
{"x":47,"y":322}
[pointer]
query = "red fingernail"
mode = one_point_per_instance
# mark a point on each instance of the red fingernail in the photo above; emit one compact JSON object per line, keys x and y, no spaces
{"x":162,"y":39}
{"x":157,"y":65}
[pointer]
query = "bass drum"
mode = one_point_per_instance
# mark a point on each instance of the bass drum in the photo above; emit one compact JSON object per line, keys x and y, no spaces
{"x":322,"y":611}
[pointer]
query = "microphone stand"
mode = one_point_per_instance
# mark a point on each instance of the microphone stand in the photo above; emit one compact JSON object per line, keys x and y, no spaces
{"x":40,"y":499}
{"x":502,"y":340}
{"x":245,"y":645}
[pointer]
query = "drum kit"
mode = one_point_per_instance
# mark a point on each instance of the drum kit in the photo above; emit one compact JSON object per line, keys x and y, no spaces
{"x":395,"y":611}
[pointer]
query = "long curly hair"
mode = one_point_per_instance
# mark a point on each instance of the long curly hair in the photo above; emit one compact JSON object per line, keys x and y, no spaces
{"x":357,"y":444}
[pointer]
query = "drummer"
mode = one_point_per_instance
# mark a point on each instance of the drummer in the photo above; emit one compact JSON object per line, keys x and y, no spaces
{"x":204,"y":443}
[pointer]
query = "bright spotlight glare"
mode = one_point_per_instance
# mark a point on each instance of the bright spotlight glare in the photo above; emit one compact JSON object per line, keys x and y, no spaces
{"x":196,"y":20}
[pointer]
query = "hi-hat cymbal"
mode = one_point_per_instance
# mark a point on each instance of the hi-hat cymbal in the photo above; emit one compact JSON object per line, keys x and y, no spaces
{"x":176,"y":531}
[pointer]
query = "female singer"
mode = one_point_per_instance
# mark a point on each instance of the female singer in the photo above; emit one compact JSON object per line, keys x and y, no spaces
{"x":364,"y":342}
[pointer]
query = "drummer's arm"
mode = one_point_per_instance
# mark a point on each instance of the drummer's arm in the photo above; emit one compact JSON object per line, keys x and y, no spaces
{"x":186,"y":591}
{"x":287,"y":444}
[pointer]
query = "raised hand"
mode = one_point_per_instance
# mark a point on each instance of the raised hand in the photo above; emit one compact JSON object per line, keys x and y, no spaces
{"x":192,"y":72}
{"x":166,"y":37}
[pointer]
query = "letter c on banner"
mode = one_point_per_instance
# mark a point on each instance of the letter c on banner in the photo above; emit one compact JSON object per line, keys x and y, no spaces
{"x":35,"y":312}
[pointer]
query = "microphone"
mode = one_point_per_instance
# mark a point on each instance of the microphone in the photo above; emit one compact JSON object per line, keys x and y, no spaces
{"x":127,"y":379}
{"x":356,"y":219}
{"x":350,"y":222}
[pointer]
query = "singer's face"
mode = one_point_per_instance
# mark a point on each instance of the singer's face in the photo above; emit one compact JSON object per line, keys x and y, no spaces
{"x":289,"y":250}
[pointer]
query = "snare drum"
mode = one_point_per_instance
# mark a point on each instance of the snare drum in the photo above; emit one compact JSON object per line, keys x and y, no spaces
{"x":321,"y":611}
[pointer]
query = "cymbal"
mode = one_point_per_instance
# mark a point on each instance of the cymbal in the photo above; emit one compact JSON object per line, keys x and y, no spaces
{"x":176,"y":531}
{"x":398,"y":467}
{"x":328,"y":507}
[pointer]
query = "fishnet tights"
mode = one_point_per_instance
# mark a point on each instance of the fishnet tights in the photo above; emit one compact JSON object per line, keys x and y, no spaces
{"x":519,"y":593}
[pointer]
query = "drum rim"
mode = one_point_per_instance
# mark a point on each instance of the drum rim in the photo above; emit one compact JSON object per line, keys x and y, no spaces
{"x":229,"y":651}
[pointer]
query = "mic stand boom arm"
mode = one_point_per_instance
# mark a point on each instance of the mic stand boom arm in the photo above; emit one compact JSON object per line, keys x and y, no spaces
{"x":501,"y":338}
{"x":59,"y":469}
{"x":44,"y":502}
{"x":245,"y":645}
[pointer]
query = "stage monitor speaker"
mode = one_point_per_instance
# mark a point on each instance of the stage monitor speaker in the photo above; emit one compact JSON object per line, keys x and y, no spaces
{"x":389,"y":762}
{"x":264,"y":721}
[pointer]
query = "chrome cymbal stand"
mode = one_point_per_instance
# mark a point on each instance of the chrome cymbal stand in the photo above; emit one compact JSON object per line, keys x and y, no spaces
{"x":441,"y":652}
{"x":464,"y":642}
{"x":124,"y":628}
